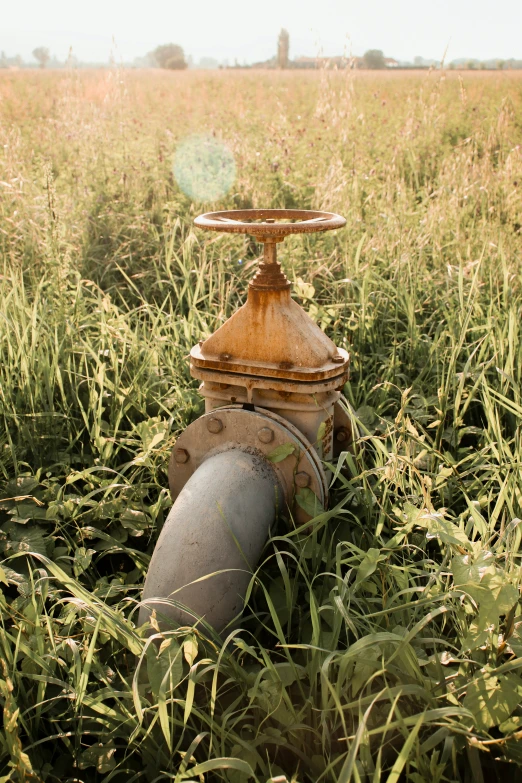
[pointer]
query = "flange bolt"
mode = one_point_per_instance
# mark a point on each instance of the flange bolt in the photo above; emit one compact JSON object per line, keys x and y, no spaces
{"x":302,"y":479}
{"x":342,"y":435}
{"x":214,"y":425}
{"x":181,"y":456}
{"x":265,"y":435}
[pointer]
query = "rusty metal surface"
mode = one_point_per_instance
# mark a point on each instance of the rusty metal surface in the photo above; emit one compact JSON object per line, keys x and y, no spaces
{"x":241,"y":430}
{"x":312,"y":414}
{"x":345,"y":427}
{"x":243,"y":386}
{"x":268,"y":398}
{"x":284,"y":369}
{"x":271,"y":336}
{"x":263,"y":222}
{"x":269,"y":275}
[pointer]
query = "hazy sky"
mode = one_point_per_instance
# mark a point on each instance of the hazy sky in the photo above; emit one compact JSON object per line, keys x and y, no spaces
{"x":248,"y":30}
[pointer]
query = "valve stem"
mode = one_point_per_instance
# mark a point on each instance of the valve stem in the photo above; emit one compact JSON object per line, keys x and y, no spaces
{"x":270,"y":253}
{"x":269,"y":276}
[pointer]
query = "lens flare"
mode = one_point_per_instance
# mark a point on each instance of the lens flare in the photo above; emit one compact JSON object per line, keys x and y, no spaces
{"x":204,"y":168}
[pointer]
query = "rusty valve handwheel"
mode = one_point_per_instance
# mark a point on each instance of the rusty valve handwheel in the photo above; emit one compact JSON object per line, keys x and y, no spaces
{"x":263,"y":223}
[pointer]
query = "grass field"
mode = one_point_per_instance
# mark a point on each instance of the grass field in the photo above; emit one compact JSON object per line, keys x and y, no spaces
{"x":383,"y":644}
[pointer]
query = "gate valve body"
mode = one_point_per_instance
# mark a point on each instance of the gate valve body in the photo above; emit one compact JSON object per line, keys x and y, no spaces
{"x":272,"y":384}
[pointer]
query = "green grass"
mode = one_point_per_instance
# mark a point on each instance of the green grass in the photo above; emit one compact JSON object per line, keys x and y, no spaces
{"x":385,"y":642}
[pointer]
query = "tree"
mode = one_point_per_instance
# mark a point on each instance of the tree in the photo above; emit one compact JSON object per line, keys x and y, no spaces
{"x":72,"y":60}
{"x":500,"y":65}
{"x":169,"y":56}
{"x":374,"y":58}
{"x":42,"y":55}
{"x":283,"y":48}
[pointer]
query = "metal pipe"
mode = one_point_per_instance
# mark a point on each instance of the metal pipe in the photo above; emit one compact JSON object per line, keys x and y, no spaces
{"x":216,"y":529}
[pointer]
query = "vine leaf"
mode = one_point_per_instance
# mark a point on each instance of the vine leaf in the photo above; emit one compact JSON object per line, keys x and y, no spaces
{"x":492,"y":699}
{"x":281,"y":452}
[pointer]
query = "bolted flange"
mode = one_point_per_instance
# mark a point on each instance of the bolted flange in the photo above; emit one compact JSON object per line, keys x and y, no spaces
{"x":300,"y":465}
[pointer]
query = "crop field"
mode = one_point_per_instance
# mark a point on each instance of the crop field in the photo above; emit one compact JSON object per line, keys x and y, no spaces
{"x":383,"y":642}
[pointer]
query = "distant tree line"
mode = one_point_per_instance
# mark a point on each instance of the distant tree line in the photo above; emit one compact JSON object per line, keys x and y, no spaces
{"x":172,"y":57}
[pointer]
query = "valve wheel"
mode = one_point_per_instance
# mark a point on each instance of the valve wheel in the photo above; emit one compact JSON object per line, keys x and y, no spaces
{"x":270,"y":224}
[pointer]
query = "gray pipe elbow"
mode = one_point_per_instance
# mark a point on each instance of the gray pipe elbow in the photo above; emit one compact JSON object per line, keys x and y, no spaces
{"x":219,"y":523}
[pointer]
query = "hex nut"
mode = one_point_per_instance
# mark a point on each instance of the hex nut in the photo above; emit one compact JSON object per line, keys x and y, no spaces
{"x":302,"y":479}
{"x":338,"y":359}
{"x":214,"y":425}
{"x":265,"y":435}
{"x":342,"y":435}
{"x":181,"y":456}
